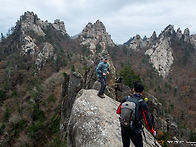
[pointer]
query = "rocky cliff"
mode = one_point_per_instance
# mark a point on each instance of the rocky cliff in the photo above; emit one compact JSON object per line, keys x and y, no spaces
{"x":29,"y":22}
{"x":94,"y":122}
{"x":95,"y":34}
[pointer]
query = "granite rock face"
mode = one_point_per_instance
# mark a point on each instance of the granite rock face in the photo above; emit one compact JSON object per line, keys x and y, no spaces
{"x":161,"y":56}
{"x":95,"y":34}
{"x":94,"y":122}
{"x":137,"y":43}
{"x":186,"y":35}
{"x":46,"y":53}
{"x":152,"y":38}
{"x":161,"y":53}
{"x":29,"y":46}
{"x":30,"y":22}
{"x":179,"y":34}
{"x":72,"y":85}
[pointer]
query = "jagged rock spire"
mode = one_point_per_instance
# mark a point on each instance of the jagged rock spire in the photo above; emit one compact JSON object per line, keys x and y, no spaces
{"x":94,"y":34}
{"x":179,"y":34}
{"x":186,"y":35}
{"x":137,"y":43}
{"x":30,"y":21}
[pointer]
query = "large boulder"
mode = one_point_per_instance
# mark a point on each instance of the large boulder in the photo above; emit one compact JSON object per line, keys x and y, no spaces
{"x":123,"y":91}
{"x":94,"y":122}
{"x":108,"y":90}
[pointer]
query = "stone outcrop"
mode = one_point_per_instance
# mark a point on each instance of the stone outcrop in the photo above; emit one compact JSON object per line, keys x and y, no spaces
{"x":95,"y":34}
{"x":94,"y":122}
{"x":186,"y":35}
{"x":29,"y":46}
{"x":137,"y":43}
{"x":161,"y":56}
{"x":72,"y":85}
{"x":30,"y":22}
{"x":123,"y":91}
{"x":167,"y":31}
{"x":108,"y":90}
{"x":193,"y":40}
{"x":46,"y":53}
{"x":179,"y":34}
{"x":153,"y":105}
{"x":152,"y":38}
{"x":59,"y":25}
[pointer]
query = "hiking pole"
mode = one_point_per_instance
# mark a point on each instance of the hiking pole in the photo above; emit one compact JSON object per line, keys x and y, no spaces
{"x":144,"y":132}
{"x":153,"y":123}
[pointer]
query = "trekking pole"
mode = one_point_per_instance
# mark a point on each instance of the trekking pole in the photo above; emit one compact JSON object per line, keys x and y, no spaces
{"x":153,"y":123}
{"x":144,"y":133}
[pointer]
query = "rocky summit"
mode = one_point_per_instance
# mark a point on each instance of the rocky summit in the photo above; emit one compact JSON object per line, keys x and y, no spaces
{"x":95,"y":34}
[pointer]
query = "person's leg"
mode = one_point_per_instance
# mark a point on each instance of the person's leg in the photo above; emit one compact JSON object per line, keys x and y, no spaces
{"x":136,"y":138}
{"x":125,"y":138}
{"x":104,"y":84}
{"x":101,"y":90}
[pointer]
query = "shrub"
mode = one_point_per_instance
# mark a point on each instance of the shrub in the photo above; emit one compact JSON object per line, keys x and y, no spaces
{"x":14,"y":94}
{"x":64,"y":74}
{"x":2,"y":129}
{"x":73,"y":68}
{"x":52,"y":98}
{"x":6,"y":115}
{"x":129,"y":76}
{"x":2,"y":95}
{"x":192,"y":136}
{"x":35,"y":130}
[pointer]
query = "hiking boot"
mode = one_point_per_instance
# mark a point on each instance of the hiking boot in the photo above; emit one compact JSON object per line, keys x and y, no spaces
{"x":100,"y":95}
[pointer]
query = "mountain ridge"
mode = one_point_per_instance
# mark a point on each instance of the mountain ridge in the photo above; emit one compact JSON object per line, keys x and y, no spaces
{"x":37,"y":50}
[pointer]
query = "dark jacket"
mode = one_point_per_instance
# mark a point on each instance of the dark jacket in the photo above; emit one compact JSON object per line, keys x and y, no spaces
{"x":101,"y":68}
{"x":143,"y":112}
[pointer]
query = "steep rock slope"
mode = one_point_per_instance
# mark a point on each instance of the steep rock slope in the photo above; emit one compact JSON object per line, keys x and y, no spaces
{"x":94,"y":122}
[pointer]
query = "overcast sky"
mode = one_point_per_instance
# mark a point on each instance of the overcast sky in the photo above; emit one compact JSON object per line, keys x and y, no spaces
{"x":122,"y":18}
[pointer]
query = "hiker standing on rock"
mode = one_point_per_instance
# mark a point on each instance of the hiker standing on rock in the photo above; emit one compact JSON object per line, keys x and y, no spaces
{"x":102,"y":70}
{"x":131,"y":110}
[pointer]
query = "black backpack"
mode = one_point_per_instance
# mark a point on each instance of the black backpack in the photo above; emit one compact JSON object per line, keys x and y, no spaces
{"x":130,"y":112}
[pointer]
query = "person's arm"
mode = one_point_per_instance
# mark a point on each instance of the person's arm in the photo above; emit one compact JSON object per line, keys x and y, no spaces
{"x":108,"y":69}
{"x":147,"y":119}
{"x":118,"y":111}
{"x":99,"y":68}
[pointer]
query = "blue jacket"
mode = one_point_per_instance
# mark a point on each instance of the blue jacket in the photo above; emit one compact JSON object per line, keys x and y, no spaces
{"x":101,"y":68}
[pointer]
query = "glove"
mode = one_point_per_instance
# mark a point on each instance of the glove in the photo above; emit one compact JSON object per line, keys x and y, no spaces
{"x":154,"y":134}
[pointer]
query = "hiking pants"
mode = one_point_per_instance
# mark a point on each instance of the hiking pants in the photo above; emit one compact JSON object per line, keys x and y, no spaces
{"x":127,"y":134}
{"x":103,"y":84}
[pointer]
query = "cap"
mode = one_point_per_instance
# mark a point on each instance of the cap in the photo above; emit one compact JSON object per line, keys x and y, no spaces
{"x":105,"y":57}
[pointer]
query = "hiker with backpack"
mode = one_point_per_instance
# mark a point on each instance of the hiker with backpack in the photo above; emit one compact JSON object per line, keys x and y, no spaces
{"x":131,"y":110}
{"x":102,"y":70}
